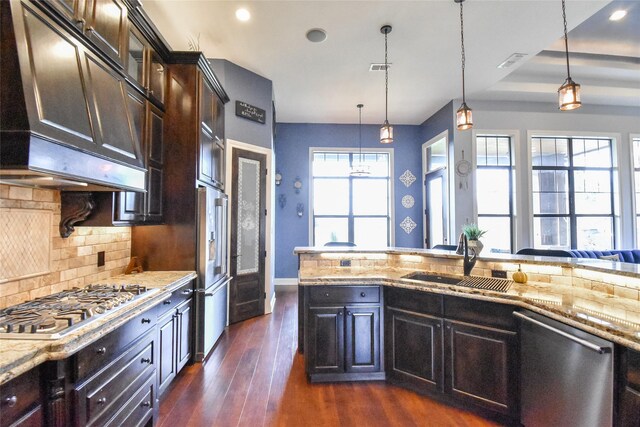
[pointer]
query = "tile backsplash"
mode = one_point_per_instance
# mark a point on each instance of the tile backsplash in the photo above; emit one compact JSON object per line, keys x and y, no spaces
{"x":36,"y":261}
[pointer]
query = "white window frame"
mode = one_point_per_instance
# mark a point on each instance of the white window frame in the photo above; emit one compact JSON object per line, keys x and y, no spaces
{"x":442,"y":135}
{"x":635,"y":233}
{"x":392,"y":223}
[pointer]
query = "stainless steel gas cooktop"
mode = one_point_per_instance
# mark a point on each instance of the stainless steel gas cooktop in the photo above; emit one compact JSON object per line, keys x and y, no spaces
{"x":56,"y":315}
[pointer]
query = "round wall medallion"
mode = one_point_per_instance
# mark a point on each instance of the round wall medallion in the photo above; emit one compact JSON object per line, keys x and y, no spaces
{"x":408,"y":201}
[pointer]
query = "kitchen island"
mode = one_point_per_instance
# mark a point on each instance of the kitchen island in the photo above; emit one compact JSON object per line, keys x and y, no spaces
{"x":364,"y":309}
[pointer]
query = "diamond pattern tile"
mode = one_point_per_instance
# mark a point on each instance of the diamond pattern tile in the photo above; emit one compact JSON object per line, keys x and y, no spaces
{"x":25,"y":243}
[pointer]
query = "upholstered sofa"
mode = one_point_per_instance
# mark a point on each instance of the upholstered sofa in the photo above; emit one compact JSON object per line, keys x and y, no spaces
{"x":624,"y":255}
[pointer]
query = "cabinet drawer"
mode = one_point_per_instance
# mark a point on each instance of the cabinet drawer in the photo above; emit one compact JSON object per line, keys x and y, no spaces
{"x":107,"y":391}
{"x":98,"y":354}
{"x":480,"y":312}
{"x":138,"y":410}
{"x":343,"y":294}
{"x":412,"y":300}
{"x":19,"y":396}
{"x":177,"y":297}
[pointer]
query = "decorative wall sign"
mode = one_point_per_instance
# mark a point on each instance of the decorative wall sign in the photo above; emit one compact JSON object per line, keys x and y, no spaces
{"x":407,"y":178}
{"x":408,"y":225}
{"x":250,"y":112}
{"x":408,"y":201}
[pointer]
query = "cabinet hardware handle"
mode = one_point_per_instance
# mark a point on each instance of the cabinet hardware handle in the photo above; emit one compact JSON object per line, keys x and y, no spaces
{"x":11,"y":401}
{"x":327,"y":294}
{"x":448,"y":327}
{"x":362,"y":294}
{"x":146,"y":403}
{"x":146,"y":320}
{"x":167,"y":302}
{"x":145,"y":360}
{"x":101,"y":350}
{"x":81,"y":21}
{"x":90,"y":29}
{"x":150,"y":91}
{"x":102,"y":401}
{"x":438,"y":325}
{"x":348,"y":313}
{"x":187,"y":291}
{"x":339,"y":313}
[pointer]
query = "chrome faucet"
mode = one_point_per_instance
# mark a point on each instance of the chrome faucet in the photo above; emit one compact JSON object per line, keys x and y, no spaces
{"x":463,"y":248}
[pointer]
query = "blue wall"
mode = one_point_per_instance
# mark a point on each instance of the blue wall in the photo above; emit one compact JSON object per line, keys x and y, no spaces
{"x":441,"y":120}
{"x":292,"y":145}
{"x":247,"y":86}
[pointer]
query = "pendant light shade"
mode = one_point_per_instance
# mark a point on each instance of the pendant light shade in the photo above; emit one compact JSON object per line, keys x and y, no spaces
{"x":359,"y":168}
{"x":464,"y":117}
{"x":569,"y":92}
{"x":386,"y":130}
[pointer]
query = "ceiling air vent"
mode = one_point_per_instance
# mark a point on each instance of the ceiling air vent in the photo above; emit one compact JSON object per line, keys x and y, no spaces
{"x":513,"y":59}
{"x":378,"y":67}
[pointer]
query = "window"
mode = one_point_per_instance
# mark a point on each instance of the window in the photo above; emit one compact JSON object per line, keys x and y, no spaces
{"x":636,"y":173}
{"x":572,"y":181}
{"x":494,"y":191}
{"x":351,"y":208}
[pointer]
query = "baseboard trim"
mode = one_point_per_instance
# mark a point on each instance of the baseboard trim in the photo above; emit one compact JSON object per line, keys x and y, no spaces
{"x":285,"y":281}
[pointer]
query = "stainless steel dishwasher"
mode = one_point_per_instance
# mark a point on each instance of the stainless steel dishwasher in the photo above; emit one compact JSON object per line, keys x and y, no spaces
{"x":566,"y":374}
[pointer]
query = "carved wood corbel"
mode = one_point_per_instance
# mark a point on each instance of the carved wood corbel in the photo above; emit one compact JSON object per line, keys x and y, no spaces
{"x":75,"y":207}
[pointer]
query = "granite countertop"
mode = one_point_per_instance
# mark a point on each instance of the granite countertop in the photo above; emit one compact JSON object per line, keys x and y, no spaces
{"x":620,"y":268}
{"x":610,"y":317}
{"x":19,"y":356}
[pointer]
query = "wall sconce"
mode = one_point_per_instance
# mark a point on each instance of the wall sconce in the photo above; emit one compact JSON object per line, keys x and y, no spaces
{"x":282,"y":200}
{"x":278,"y":178}
{"x":300,"y":209}
{"x":297,"y":184}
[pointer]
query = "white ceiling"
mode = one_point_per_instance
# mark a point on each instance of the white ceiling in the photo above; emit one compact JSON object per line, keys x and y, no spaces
{"x":323,"y":82}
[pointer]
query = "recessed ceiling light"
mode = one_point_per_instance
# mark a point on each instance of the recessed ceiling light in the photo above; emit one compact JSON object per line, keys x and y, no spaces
{"x":618,"y":15}
{"x":316,"y":35}
{"x":243,"y":15}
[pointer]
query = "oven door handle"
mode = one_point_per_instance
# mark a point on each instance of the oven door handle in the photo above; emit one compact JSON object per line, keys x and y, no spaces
{"x":585,"y":343}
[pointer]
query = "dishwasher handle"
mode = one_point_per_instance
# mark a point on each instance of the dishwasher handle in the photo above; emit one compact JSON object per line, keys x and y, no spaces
{"x":585,"y":343}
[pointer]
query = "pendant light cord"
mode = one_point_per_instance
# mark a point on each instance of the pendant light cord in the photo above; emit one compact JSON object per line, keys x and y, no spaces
{"x":462,"y":44}
{"x":566,"y":39}
{"x":360,"y":131}
{"x":386,"y":79}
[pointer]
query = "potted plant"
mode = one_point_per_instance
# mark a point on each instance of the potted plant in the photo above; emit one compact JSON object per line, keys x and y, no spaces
{"x":474,"y":233}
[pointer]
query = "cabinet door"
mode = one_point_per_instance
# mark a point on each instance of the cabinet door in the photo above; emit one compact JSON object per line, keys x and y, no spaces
{"x":184,"y":333}
{"x":110,"y":101}
{"x":56,"y":80}
{"x":206,"y":167}
{"x":154,"y":165}
{"x":167,"y":350}
{"x":324,"y":342}
{"x":136,"y":61}
{"x":480,"y":366}
{"x":362,"y":343}
{"x":157,"y":78}
{"x":413,"y":345}
{"x":107,"y":27}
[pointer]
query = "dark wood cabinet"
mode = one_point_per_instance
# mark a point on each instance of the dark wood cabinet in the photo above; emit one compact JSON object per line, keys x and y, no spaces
{"x":414,"y":349}
{"x":175,"y":334}
{"x":459,"y":349}
{"x":107,"y":26}
{"x":628,"y":379}
{"x":325,"y":345}
{"x":481,"y":365}
{"x":72,"y":10}
{"x":20,"y":400}
{"x":342,"y":333}
{"x":211,"y":153}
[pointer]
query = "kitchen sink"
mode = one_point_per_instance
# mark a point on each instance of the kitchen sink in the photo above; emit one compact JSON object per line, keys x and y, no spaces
{"x":488,"y":283}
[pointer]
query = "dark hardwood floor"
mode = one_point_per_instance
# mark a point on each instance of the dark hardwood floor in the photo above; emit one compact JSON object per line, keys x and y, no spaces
{"x":255,"y":377}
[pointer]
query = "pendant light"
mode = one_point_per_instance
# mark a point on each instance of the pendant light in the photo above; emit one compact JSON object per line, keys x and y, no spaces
{"x":464,"y":118}
{"x":360,"y":168}
{"x":386,"y":131}
{"x":569,"y":92}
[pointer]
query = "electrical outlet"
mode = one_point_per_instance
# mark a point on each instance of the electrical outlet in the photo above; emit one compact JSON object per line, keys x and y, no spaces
{"x":345,"y":263}
{"x":100,"y":258}
{"x":501,"y":274}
